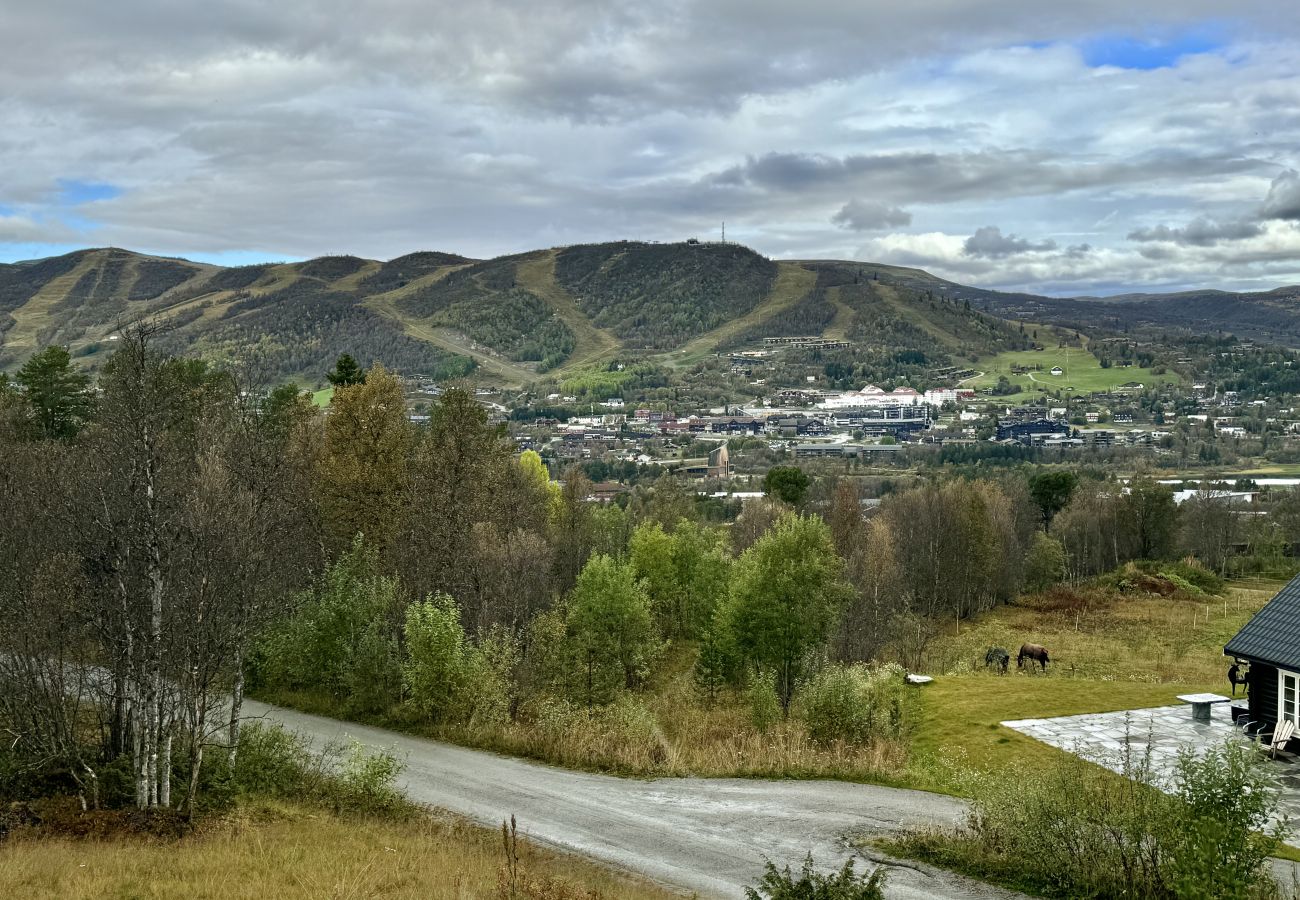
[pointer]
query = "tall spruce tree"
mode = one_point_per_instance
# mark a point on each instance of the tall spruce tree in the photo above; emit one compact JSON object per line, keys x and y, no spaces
{"x":57,"y":392}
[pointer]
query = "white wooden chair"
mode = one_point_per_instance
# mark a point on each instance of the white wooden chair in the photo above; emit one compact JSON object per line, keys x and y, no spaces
{"x":1277,"y":739}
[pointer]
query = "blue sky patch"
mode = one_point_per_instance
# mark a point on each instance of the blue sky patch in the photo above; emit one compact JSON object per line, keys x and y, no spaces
{"x":17,"y":251}
{"x":74,"y":193}
{"x":1127,"y":52}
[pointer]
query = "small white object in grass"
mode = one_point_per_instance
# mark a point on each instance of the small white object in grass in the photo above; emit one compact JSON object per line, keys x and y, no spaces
{"x":918,"y":679}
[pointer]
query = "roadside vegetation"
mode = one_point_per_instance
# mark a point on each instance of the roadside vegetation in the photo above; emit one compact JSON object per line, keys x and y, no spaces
{"x":288,"y":821}
{"x":1074,"y":830}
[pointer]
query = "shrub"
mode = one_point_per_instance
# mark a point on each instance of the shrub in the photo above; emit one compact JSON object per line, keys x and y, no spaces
{"x":274,"y":762}
{"x":1191,"y":570}
{"x":270,"y":761}
{"x":1076,"y":830}
{"x":1222,"y":842}
{"x":853,"y":703}
{"x":340,"y":641}
{"x":764,"y":705}
{"x":363,"y":782}
{"x":1182,"y":585}
{"x":489,"y":691}
{"x":809,"y":884}
{"x":438,"y":661}
{"x":1065,"y":598}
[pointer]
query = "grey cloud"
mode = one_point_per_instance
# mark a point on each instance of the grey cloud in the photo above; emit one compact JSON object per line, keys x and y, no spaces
{"x":990,"y":242}
{"x":949,"y":177}
{"x":1157,"y":252}
{"x":1200,"y":232}
{"x":1283,"y":200}
{"x":586,"y":59}
{"x":866,"y":215}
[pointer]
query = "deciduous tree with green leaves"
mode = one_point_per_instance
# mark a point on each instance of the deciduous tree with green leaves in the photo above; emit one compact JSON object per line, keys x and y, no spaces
{"x":685,"y":575}
{"x":609,"y":628}
{"x":786,"y":594}
{"x":365,"y":462}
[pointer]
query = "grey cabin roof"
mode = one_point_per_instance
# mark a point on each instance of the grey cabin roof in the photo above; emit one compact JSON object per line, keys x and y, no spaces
{"x":1273,"y":634}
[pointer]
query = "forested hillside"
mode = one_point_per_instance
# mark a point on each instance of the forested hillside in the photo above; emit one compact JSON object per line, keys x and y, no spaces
{"x":660,"y":295}
{"x":486,"y":302}
{"x":513,"y":318}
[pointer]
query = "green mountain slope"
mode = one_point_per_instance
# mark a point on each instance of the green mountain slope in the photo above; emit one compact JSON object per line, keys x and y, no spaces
{"x":513,"y":318}
{"x":660,"y":295}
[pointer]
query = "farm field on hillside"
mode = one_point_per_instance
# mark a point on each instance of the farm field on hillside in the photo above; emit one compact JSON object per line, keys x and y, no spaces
{"x":1082,"y":372}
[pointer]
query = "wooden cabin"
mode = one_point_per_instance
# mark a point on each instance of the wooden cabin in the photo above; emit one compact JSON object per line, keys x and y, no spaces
{"x":1270,"y":644}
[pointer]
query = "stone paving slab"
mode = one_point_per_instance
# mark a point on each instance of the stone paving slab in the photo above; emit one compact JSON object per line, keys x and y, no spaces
{"x":1162,"y":731}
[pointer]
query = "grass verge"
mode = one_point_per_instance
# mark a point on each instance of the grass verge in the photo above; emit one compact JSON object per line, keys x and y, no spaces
{"x":290,"y":850}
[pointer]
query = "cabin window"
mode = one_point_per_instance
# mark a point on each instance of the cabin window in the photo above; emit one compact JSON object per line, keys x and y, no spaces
{"x":1288,"y":697}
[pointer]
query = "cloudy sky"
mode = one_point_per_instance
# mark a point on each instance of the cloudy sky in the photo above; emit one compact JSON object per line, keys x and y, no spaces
{"x":1103,"y":147}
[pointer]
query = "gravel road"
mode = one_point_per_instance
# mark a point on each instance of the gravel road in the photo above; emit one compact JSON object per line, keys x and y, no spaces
{"x":702,"y":835}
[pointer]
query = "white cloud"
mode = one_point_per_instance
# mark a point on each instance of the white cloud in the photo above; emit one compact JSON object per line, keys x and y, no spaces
{"x":299,"y":128}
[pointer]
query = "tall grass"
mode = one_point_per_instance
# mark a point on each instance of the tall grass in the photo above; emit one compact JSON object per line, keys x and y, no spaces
{"x":292,"y":851}
{"x":660,"y":735}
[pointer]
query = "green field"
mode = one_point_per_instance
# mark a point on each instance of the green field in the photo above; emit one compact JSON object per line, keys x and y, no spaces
{"x":322,"y":398}
{"x":1082,"y":373}
{"x":1127,"y":653}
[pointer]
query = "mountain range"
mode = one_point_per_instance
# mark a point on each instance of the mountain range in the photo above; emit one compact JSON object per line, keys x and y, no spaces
{"x":514,"y":318}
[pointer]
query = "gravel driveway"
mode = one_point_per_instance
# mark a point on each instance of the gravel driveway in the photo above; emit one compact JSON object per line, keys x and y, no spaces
{"x":702,"y":835}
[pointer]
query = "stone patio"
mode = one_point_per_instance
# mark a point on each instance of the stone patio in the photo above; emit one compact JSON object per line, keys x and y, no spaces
{"x":1105,"y":738}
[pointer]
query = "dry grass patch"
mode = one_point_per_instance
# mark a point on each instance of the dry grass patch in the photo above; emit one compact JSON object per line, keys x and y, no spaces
{"x":672,"y":735}
{"x":288,"y":851}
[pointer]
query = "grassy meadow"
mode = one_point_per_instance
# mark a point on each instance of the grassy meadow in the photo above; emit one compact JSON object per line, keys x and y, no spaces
{"x":1083,"y":373}
{"x":1113,"y":653}
{"x":290,"y":851}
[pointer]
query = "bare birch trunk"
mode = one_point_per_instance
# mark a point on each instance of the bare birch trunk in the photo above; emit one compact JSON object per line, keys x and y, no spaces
{"x":236,"y":707}
{"x":139,"y":753}
{"x":165,"y":771}
{"x":200,"y":723}
{"x":154,"y":674}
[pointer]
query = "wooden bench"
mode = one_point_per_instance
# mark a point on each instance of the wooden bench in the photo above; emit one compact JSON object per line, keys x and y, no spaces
{"x":1201,"y":704}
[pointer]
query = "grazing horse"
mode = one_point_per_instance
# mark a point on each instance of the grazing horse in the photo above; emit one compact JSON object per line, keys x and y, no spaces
{"x":1236,"y":678}
{"x":996,"y":656}
{"x":1033,"y":653}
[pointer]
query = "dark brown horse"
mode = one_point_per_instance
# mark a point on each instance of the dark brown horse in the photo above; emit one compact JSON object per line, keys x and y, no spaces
{"x":997,"y":657}
{"x":1033,"y":653}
